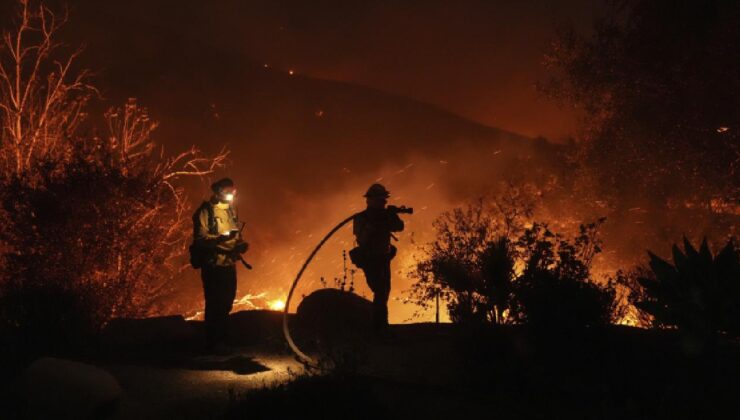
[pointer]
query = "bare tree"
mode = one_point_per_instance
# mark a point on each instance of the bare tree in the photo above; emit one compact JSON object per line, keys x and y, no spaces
{"x":42,"y":97}
{"x":105,"y":217}
{"x":149,"y":248}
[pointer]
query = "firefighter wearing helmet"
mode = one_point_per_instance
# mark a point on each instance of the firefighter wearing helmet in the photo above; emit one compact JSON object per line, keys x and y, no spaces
{"x":373,"y":229}
{"x":217,"y":246}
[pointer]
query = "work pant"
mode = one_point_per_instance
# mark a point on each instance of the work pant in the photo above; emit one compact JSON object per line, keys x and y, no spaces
{"x":219,"y":289}
{"x":378,"y":275}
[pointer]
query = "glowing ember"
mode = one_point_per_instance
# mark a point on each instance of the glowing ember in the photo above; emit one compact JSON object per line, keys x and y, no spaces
{"x":198,"y":315}
{"x":249,"y":301}
{"x":723,"y":129}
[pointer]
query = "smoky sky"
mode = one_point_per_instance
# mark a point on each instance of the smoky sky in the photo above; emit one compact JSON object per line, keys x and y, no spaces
{"x":479,"y":59}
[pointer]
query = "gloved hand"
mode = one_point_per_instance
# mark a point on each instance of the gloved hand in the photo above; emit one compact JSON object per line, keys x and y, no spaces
{"x":400,"y":210}
{"x":241,"y":247}
{"x":227,"y":236}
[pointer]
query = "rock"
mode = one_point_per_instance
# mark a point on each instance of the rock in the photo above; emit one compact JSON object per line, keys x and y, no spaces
{"x":255,"y":326}
{"x":333,"y":310}
{"x":57,"y":388}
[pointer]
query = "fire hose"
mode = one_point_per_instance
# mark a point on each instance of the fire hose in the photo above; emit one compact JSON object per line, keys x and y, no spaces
{"x":286,"y":331}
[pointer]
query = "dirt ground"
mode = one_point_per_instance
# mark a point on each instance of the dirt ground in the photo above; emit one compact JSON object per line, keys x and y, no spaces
{"x":198,"y":389}
{"x":428,"y":370}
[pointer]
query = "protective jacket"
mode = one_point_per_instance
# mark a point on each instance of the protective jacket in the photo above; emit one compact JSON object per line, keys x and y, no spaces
{"x":373,"y":228}
{"x":209,"y":228}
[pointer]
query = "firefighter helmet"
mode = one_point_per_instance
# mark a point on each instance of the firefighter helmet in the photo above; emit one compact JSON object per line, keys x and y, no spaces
{"x":377,"y":190}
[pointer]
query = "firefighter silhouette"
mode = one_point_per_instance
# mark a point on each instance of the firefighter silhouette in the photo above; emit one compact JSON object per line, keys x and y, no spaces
{"x":373,"y":229}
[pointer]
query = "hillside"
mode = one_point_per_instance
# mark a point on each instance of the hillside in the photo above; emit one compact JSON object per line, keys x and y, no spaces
{"x":302,"y":150}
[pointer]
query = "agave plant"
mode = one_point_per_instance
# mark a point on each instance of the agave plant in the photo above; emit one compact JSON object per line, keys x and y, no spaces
{"x":699,"y":293}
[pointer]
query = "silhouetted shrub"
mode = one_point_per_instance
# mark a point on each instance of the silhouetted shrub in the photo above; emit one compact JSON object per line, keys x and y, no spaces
{"x":471,"y":265}
{"x":628,"y":282}
{"x":555,"y":288}
{"x":49,"y":316}
{"x":545,"y":300}
{"x":92,"y":225}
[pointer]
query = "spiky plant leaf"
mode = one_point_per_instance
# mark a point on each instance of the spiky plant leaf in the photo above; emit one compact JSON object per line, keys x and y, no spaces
{"x":691,"y":252}
{"x":665,"y":273}
{"x":727,"y":260}
{"x":704,"y":252}
{"x":651,"y":285}
{"x":659,"y":311}
{"x":700,"y":294}
{"x":680,"y":259}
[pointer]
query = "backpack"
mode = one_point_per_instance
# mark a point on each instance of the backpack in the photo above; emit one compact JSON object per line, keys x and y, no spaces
{"x":199,"y":256}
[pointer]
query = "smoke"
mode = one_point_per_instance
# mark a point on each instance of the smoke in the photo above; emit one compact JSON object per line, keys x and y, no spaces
{"x":429,"y":185}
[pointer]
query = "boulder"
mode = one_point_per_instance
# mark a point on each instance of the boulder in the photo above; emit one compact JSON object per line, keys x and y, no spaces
{"x":58,"y":388}
{"x":335,"y":311}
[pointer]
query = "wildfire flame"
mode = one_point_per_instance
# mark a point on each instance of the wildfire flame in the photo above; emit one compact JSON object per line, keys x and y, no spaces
{"x":276,"y":305}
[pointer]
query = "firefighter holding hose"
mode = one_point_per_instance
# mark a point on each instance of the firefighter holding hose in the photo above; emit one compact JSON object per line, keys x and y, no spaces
{"x":373,"y":229}
{"x":217,"y":246}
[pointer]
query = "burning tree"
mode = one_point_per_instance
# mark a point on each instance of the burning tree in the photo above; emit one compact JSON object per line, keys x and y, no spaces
{"x":93,"y":225}
{"x":656,"y":82}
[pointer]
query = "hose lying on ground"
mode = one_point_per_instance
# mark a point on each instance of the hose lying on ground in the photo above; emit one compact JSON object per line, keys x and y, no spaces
{"x":286,"y":331}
